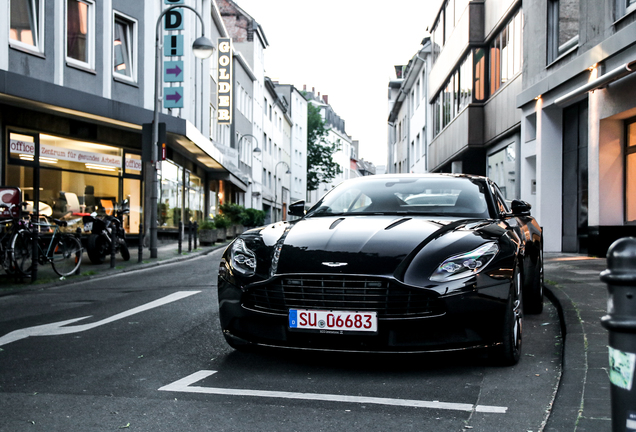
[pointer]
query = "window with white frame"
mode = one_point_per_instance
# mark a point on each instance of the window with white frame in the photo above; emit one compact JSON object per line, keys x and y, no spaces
{"x":624,"y":7}
{"x":124,"y":35}
{"x":563,"y":27}
{"x":26,"y":25}
{"x":80,"y":33}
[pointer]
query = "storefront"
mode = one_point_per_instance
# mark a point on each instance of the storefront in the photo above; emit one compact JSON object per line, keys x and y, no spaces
{"x":70,"y":177}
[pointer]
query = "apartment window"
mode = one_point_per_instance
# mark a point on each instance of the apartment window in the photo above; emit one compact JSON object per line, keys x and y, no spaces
{"x":623,"y":7}
{"x":438,"y":36}
{"x":80,"y":33}
{"x":630,"y":173}
{"x":505,"y":53}
{"x":479,"y":74}
{"x":26,"y":24}
{"x":563,"y":27}
{"x":123,"y":43}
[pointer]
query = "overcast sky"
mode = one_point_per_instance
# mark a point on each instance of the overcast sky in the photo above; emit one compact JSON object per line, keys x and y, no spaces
{"x":345,"y":49}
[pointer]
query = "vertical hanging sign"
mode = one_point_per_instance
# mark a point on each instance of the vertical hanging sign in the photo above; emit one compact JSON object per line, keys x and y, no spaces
{"x":225,"y":81}
{"x":173,"y":47}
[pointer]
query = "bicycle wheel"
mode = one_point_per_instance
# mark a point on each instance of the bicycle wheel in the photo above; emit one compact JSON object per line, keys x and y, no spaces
{"x":67,"y":255}
{"x":21,"y":253}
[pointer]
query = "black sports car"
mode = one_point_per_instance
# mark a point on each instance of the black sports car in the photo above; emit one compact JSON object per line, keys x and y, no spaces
{"x":392,"y":263}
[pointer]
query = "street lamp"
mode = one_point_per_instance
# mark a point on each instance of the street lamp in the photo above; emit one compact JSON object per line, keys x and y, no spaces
{"x":275,"y":186}
{"x":256,"y":150}
{"x":202,"y":48}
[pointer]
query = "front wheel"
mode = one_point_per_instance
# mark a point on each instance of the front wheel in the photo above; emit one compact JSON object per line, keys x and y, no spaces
{"x":21,"y":253}
{"x":97,"y":248}
{"x":510,"y":350}
{"x":533,"y":302}
{"x":123,"y":250}
{"x":67,"y":255}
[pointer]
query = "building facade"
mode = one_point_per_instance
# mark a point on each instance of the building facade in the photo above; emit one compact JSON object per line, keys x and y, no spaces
{"x":578,"y":110}
{"x":77,"y":93}
{"x":477,"y":50}
{"x":409,"y":114}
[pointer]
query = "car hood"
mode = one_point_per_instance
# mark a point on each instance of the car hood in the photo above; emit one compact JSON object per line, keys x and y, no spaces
{"x":363,"y":245}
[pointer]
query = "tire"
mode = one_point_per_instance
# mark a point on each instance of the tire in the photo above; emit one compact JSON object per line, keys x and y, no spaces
{"x":96,"y":248}
{"x":510,"y":350}
{"x":67,"y":255}
{"x":533,"y":299}
{"x":22,"y":252}
{"x":123,"y":250}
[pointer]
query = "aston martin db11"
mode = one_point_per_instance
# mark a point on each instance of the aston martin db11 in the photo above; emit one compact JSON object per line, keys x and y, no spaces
{"x":391,"y":263}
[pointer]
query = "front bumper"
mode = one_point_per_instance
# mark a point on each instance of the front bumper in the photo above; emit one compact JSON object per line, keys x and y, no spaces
{"x":471,"y":319}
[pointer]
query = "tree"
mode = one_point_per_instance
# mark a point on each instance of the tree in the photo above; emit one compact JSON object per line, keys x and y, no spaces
{"x":321,"y":167}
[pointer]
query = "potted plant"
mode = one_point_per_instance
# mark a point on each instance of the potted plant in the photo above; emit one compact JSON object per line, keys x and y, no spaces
{"x":221,"y":222}
{"x":207,"y":232}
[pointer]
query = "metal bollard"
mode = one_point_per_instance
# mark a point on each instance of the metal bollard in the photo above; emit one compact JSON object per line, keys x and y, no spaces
{"x":190,"y":236}
{"x":140,"y":247}
{"x":35,"y":244}
{"x":180,"y":235}
{"x":620,"y":321}
{"x":113,"y":239}
{"x":78,"y":234}
{"x":196,"y":229}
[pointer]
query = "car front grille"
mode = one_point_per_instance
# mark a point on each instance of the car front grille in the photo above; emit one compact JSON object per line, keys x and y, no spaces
{"x":342,"y":293}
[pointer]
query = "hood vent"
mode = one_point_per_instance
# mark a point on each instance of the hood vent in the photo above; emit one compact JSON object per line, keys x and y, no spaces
{"x":398,"y":222}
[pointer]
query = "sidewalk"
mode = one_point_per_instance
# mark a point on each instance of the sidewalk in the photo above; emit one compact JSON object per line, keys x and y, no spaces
{"x":167,"y":252}
{"x":583,"y":401}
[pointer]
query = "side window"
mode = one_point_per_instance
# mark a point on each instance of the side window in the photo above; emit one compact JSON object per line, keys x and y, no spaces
{"x":500,"y":201}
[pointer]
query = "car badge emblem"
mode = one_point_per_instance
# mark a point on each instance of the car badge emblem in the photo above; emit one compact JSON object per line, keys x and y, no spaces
{"x":334,"y":264}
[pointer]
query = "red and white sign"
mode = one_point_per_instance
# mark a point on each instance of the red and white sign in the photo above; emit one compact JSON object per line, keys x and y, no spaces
{"x":61,"y":153}
{"x":9,"y":202}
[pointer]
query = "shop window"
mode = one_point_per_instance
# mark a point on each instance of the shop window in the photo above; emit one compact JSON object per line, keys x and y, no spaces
{"x":563,"y":27}
{"x":630,"y":173}
{"x":124,"y":35}
{"x":80,"y":33}
{"x":26,"y":25}
{"x":74,"y":177}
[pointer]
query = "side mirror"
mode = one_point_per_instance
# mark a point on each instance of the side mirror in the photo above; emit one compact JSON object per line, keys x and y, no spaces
{"x":297,"y":209}
{"x":520,"y":208}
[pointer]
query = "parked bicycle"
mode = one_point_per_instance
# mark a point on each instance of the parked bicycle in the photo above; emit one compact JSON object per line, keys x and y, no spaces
{"x":9,"y":227}
{"x":63,"y":251}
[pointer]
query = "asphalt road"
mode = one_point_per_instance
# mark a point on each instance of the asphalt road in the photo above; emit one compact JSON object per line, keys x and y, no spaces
{"x":142,"y":351}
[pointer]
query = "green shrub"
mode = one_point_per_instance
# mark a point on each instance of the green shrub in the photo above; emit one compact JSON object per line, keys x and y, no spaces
{"x":232,"y":211}
{"x":252,"y":217}
{"x":207,"y":224}
{"x":222,"y":221}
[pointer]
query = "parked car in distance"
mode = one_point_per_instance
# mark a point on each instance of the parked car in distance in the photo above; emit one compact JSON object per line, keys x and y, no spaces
{"x":391,"y":263}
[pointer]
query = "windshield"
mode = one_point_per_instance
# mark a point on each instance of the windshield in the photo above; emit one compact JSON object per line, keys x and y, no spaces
{"x":434,"y":196}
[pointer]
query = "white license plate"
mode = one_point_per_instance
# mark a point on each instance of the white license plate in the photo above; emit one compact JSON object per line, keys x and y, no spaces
{"x":88,"y":226}
{"x":336,"y":321}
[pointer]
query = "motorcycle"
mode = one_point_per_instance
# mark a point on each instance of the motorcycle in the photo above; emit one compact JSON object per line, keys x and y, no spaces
{"x":104,"y":230}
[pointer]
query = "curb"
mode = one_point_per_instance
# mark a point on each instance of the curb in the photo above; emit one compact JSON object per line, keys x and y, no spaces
{"x":568,"y":404}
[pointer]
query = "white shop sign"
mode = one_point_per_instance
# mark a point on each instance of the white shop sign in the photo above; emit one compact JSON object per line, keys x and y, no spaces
{"x":61,"y":153}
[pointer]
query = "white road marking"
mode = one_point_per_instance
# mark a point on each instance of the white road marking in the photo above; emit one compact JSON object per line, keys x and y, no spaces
{"x":59,"y":329}
{"x":185,"y":385}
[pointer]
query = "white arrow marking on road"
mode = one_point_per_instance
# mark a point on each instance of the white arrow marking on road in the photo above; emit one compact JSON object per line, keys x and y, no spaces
{"x":184,"y":385}
{"x":59,"y":329}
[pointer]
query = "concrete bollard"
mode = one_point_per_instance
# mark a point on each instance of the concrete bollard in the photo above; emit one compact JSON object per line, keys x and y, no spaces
{"x":620,"y":321}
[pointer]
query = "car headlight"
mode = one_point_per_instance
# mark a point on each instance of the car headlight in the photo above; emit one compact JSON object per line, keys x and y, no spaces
{"x":466,"y":264}
{"x":243,"y":260}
